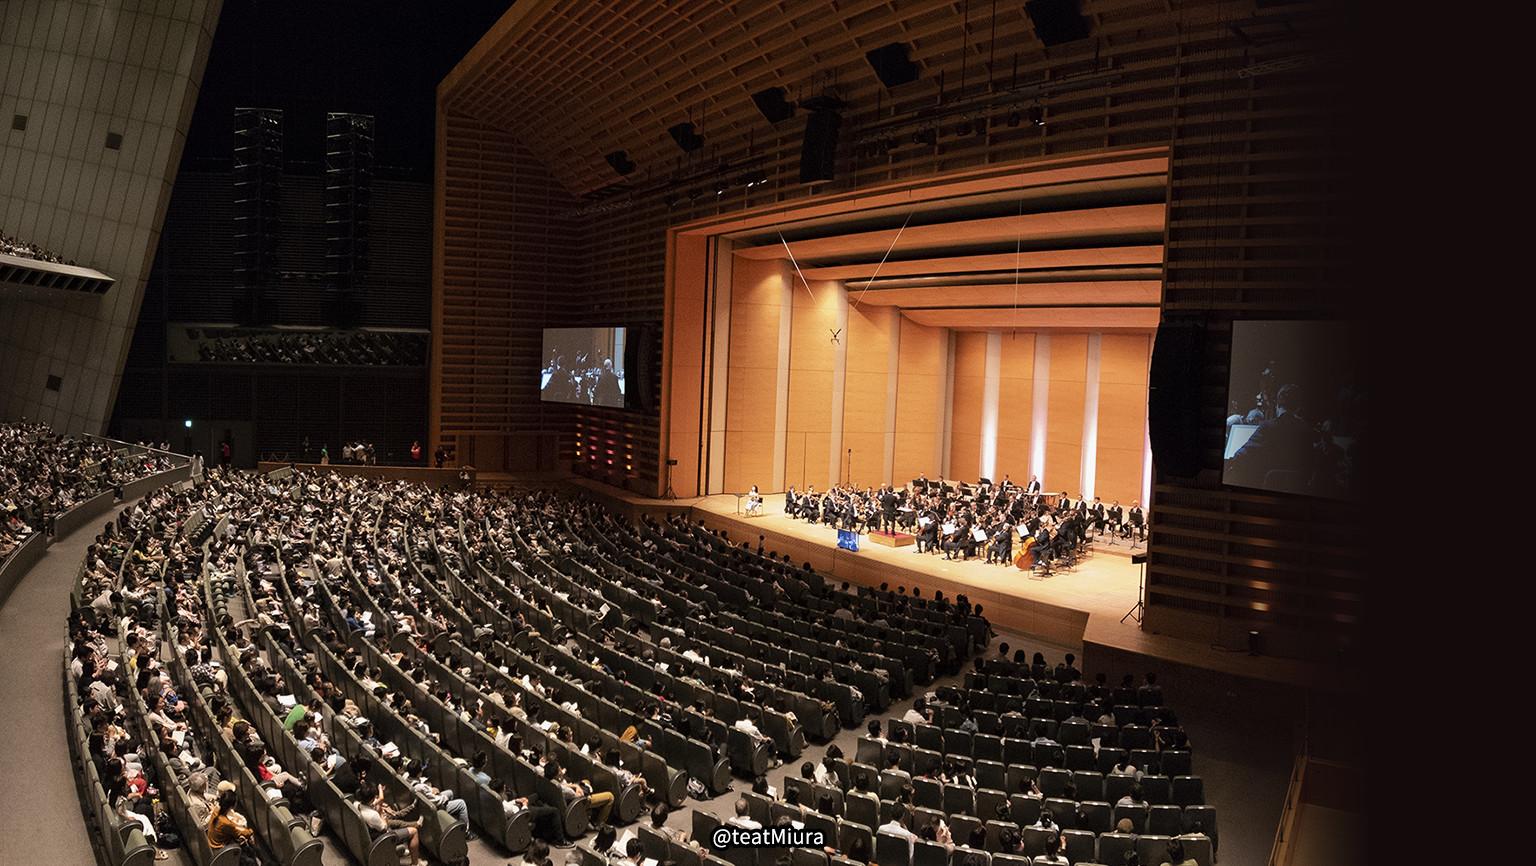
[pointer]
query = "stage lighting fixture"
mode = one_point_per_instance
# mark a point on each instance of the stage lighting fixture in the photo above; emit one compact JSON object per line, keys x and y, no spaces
{"x":963,"y":127}
{"x":1013,"y":117}
{"x":671,"y":200}
{"x":772,"y":105}
{"x":928,"y":136}
{"x":753,"y":178}
{"x":620,"y":161}
{"x":687,"y":138}
{"x":1037,"y":115}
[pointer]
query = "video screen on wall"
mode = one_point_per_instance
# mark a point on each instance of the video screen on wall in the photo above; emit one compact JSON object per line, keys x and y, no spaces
{"x":583,"y":365}
{"x":1295,"y":409}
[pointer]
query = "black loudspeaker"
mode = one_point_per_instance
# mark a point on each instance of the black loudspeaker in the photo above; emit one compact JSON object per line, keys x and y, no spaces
{"x":620,"y":161}
{"x":1057,"y":21}
{"x":891,"y":64}
{"x":818,"y":153}
{"x":772,"y":104}
{"x":1173,"y":397}
{"x":687,"y":138}
{"x":640,"y":367}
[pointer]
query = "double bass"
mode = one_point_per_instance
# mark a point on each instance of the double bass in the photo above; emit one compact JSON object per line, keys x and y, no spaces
{"x":1024,"y":560}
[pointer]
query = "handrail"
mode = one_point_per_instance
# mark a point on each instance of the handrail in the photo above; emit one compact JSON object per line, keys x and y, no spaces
{"x":1281,"y":851}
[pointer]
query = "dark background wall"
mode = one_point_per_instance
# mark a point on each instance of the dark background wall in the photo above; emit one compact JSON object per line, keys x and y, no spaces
{"x":305,"y":59}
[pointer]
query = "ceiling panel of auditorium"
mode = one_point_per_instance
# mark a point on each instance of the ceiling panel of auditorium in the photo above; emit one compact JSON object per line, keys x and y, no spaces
{"x":1066,"y":244}
{"x":577,"y":81}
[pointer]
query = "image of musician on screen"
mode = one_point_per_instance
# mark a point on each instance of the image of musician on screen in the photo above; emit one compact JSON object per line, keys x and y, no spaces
{"x":1294,"y":448}
{"x":586,"y":376}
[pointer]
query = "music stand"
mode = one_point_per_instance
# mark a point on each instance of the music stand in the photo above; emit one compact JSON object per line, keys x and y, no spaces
{"x":670,"y":493}
{"x":1138,"y":610}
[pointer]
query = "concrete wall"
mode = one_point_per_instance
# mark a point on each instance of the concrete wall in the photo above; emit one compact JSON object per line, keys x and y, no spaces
{"x":79,"y":71}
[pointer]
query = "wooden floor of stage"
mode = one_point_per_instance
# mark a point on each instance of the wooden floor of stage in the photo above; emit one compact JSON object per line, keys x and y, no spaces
{"x":1057,"y":607}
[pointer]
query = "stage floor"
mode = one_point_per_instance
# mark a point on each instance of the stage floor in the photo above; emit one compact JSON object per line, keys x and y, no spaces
{"x":1103,"y":586}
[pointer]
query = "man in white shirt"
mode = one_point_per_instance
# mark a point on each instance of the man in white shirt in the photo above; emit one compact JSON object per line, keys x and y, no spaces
{"x":742,"y":818}
{"x":897,"y":827}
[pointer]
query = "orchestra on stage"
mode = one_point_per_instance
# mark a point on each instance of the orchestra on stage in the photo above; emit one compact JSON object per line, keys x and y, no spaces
{"x":1003,"y":522}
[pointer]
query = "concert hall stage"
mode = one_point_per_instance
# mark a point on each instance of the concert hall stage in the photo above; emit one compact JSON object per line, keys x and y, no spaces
{"x":1077,"y":609}
{"x":1055,"y":608}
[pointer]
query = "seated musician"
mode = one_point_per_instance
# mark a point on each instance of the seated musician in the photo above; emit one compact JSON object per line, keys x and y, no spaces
{"x":953,"y":538}
{"x":1115,"y":517}
{"x":927,"y":531}
{"x":1001,"y":549}
{"x":791,"y":502}
{"x":754,"y":501}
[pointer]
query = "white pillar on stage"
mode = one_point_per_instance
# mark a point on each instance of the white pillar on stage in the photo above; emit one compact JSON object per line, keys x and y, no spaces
{"x":946,"y":408}
{"x":1091,"y":415}
{"x":892,"y":379}
{"x":1039,"y":409}
{"x":720,"y":361}
{"x":839,"y":381}
{"x":781,"y":392}
{"x":990,"y":392}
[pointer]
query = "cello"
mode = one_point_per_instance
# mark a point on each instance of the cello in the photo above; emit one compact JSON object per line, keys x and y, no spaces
{"x":1025,"y":559}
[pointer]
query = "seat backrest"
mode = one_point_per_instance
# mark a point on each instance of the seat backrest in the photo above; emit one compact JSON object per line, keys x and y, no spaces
{"x":1205,"y":816}
{"x":892,"y":849}
{"x":1112,"y":847}
{"x":1200,"y":848}
{"x":891,"y":785}
{"x":1188,"y":790}
{"x":987,"y":746}
{"x":1158,"y":789}
{"x":1116,"y":787}
{"x":1177,"y":762}
{"x":1035,"y":839}
{"x":760,"y":806}
{"x":807,"y":857}
{"x":1165,"y":820}
{"x":1024,"y":809}
{"x":1053,"y":781}
{"x":991,"y":774}
{"x":957,"y":742}
{"x":1063,"y":811}
{"x":929,"y":737}
{"x":1090,"y":784}
{"x":929,"y":854}
{"x":987,"y":801}
{"x":849,"y":832}
{"x":1094,"y":815}
{"x":1080,"y":758}
{"x":1009,"y":860}
{"x":1152,"y":848}
{"x":995,"y":832}
{"x":862,"y":810}
{"x":960,"y":827}
{"x":869,"y":751}
{"x":1018,"y":774}
{"x":963,"y":857}
{"x":926,"y":760}
{"x":958,"y":800}
{"x":1137,"y":815}
{"x":1080,"y":845}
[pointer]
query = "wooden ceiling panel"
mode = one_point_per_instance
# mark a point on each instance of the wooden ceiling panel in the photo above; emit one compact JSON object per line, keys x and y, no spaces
{"x":1039,"y":318}
{"x":1029,"y":229}
{"x":996,"y":262}
{"x":1096,"y":292}
{"x":549,"y":71}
